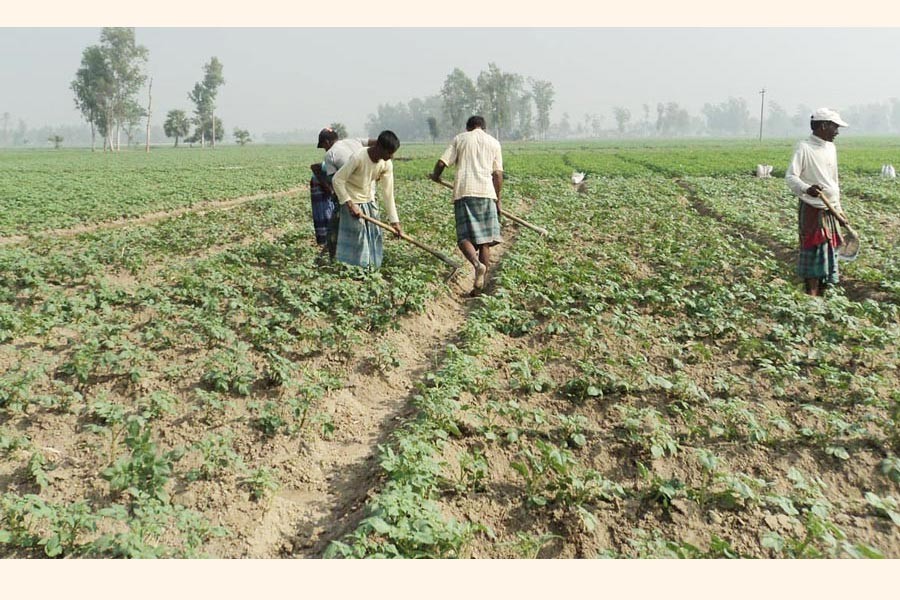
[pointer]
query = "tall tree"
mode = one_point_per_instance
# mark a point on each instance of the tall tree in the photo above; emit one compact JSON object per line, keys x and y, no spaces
{"x":622,"y":116}
{"x":542,"y":91}
{"x":432,"y":128}
{"x":201,"y":109}
{"x":212,"y":80}
{"x":204,"y":98}
{"x":498,"y":93}
{"x":460,"y":98}
{"x":525,"y":119}
{"x":177,"y":125}
{"x":125,"y":60}
{"x":93,"y":86}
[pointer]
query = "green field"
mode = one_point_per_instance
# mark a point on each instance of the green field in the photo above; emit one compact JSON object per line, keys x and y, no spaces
{"x":647,"y":381}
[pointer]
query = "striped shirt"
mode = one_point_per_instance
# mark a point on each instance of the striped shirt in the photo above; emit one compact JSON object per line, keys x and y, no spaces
{"x":476,"y":155}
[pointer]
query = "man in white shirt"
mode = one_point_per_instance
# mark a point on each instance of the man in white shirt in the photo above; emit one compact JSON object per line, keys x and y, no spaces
{"x":476,"y":193}
{"x":813,"y":171}
{"x":359,"y":242}
{"x":324,"y":202}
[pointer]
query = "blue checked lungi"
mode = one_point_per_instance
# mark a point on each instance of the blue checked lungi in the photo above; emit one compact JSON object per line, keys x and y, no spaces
{"x":323,"y":207}
{"x":477,"y":221}
{"x":359,"y":242}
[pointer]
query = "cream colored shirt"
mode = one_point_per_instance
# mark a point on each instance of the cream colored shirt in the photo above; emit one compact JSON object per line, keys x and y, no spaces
{"x":354,"y":181}
{"x":476,"y":155}
{"x":814,"y":161}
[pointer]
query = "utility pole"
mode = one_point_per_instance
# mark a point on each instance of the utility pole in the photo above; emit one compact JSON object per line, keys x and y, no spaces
{"x":762,"y":103}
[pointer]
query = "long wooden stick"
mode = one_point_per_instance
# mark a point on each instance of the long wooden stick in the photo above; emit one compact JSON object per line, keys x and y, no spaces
{"x":412,"y":241}
{"x":840,"y":216}
{"x":506,"y":214}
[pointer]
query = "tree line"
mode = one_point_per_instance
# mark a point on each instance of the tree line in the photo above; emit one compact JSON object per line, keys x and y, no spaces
{"x":514,"y":106}
{"x":108,"y":81}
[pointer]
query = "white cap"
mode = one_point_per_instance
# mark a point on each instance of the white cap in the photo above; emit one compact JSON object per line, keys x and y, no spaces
{"x":827,"y":114}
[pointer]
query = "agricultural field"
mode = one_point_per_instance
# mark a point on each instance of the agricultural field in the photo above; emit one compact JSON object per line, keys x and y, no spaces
{"x":183,"y":375}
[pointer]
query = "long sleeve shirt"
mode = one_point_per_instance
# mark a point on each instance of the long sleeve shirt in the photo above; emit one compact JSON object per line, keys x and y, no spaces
{"x":477,"y":156}
{"x":814,"y":162}
{"x":340,"y":152}
{"x":354,"y":180}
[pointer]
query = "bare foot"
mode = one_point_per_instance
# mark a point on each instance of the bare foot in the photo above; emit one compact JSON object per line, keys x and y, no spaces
{"x":480,"y":270}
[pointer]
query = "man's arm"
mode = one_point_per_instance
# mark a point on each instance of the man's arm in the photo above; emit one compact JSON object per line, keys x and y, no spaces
{"x":497,"y":180}
{"x":386,"y":183}
{"x":439,"y":167}
{"x":320,"y":176}
{"x":340,"y":185}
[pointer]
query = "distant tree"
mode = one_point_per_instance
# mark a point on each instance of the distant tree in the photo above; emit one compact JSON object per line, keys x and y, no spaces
{"x":93,"y":87}
{"x":460,"y":98}
{"x":801,"y":118}
{"x":869,"y":118}
{"x":525,"y":121}
{"x":242,"y":136}
{"x":622,"y":116}
{"x":6,"y":117}
{"x":895,"y":114}
{"x":204,"y":98}
{"x":498,"y":93}
{"x":57,"y":141}
{"x":597,"y":125}
{"x":542,"y":92}
{"x":20,"y":138}
{"x":777,"y":120}
{"x":177,"y":125}
{"x":432,"y":128}
{"x":731,"y":117}
{"x":672,"y":120}
{"x":564,"y":129}
{"x":204,"y":131}
{"x":125,"y":60}
{"x":132,"y":117}
{"x":340,"y":129}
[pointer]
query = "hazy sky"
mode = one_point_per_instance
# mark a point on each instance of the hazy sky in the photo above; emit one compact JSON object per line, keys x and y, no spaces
{"x":279,"y":79}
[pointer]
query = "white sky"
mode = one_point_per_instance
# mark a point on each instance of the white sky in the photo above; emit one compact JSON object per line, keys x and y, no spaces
{"x":279,"y":79}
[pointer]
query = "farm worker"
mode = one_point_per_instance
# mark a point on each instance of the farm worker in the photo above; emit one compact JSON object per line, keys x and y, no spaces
{"x":476,"y":193}
{"x":324,"y":202}
{"x":320,"y":191}
{"x":359,"y":242}
{"x":813,"y":169}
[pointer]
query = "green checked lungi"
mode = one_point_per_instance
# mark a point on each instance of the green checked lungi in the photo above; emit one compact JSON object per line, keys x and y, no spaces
{"x":818,"y":240}
{"x":359,"y":242}
{"x":477,"y":221}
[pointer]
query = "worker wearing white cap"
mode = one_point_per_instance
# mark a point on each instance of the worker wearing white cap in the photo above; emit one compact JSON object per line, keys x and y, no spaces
{"x":813,"y":170}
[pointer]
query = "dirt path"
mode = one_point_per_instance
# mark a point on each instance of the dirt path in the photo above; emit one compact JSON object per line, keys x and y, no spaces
{"x":300,"y":522}
{"x":200,"y":208}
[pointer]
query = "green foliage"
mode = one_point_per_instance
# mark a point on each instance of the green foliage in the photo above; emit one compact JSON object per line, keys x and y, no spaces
{"x":145,"y":471}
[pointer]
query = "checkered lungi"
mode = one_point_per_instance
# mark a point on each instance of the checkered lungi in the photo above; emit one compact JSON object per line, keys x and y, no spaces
{"x":359,"y":242}
{"x":477,"y":221}
{"x":323,"y":207}
{"x":819,"y":237}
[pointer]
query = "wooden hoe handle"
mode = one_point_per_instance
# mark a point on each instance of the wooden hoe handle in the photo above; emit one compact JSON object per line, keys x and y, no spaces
{"x":412,"y":241}
{"x":505,"y":213}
